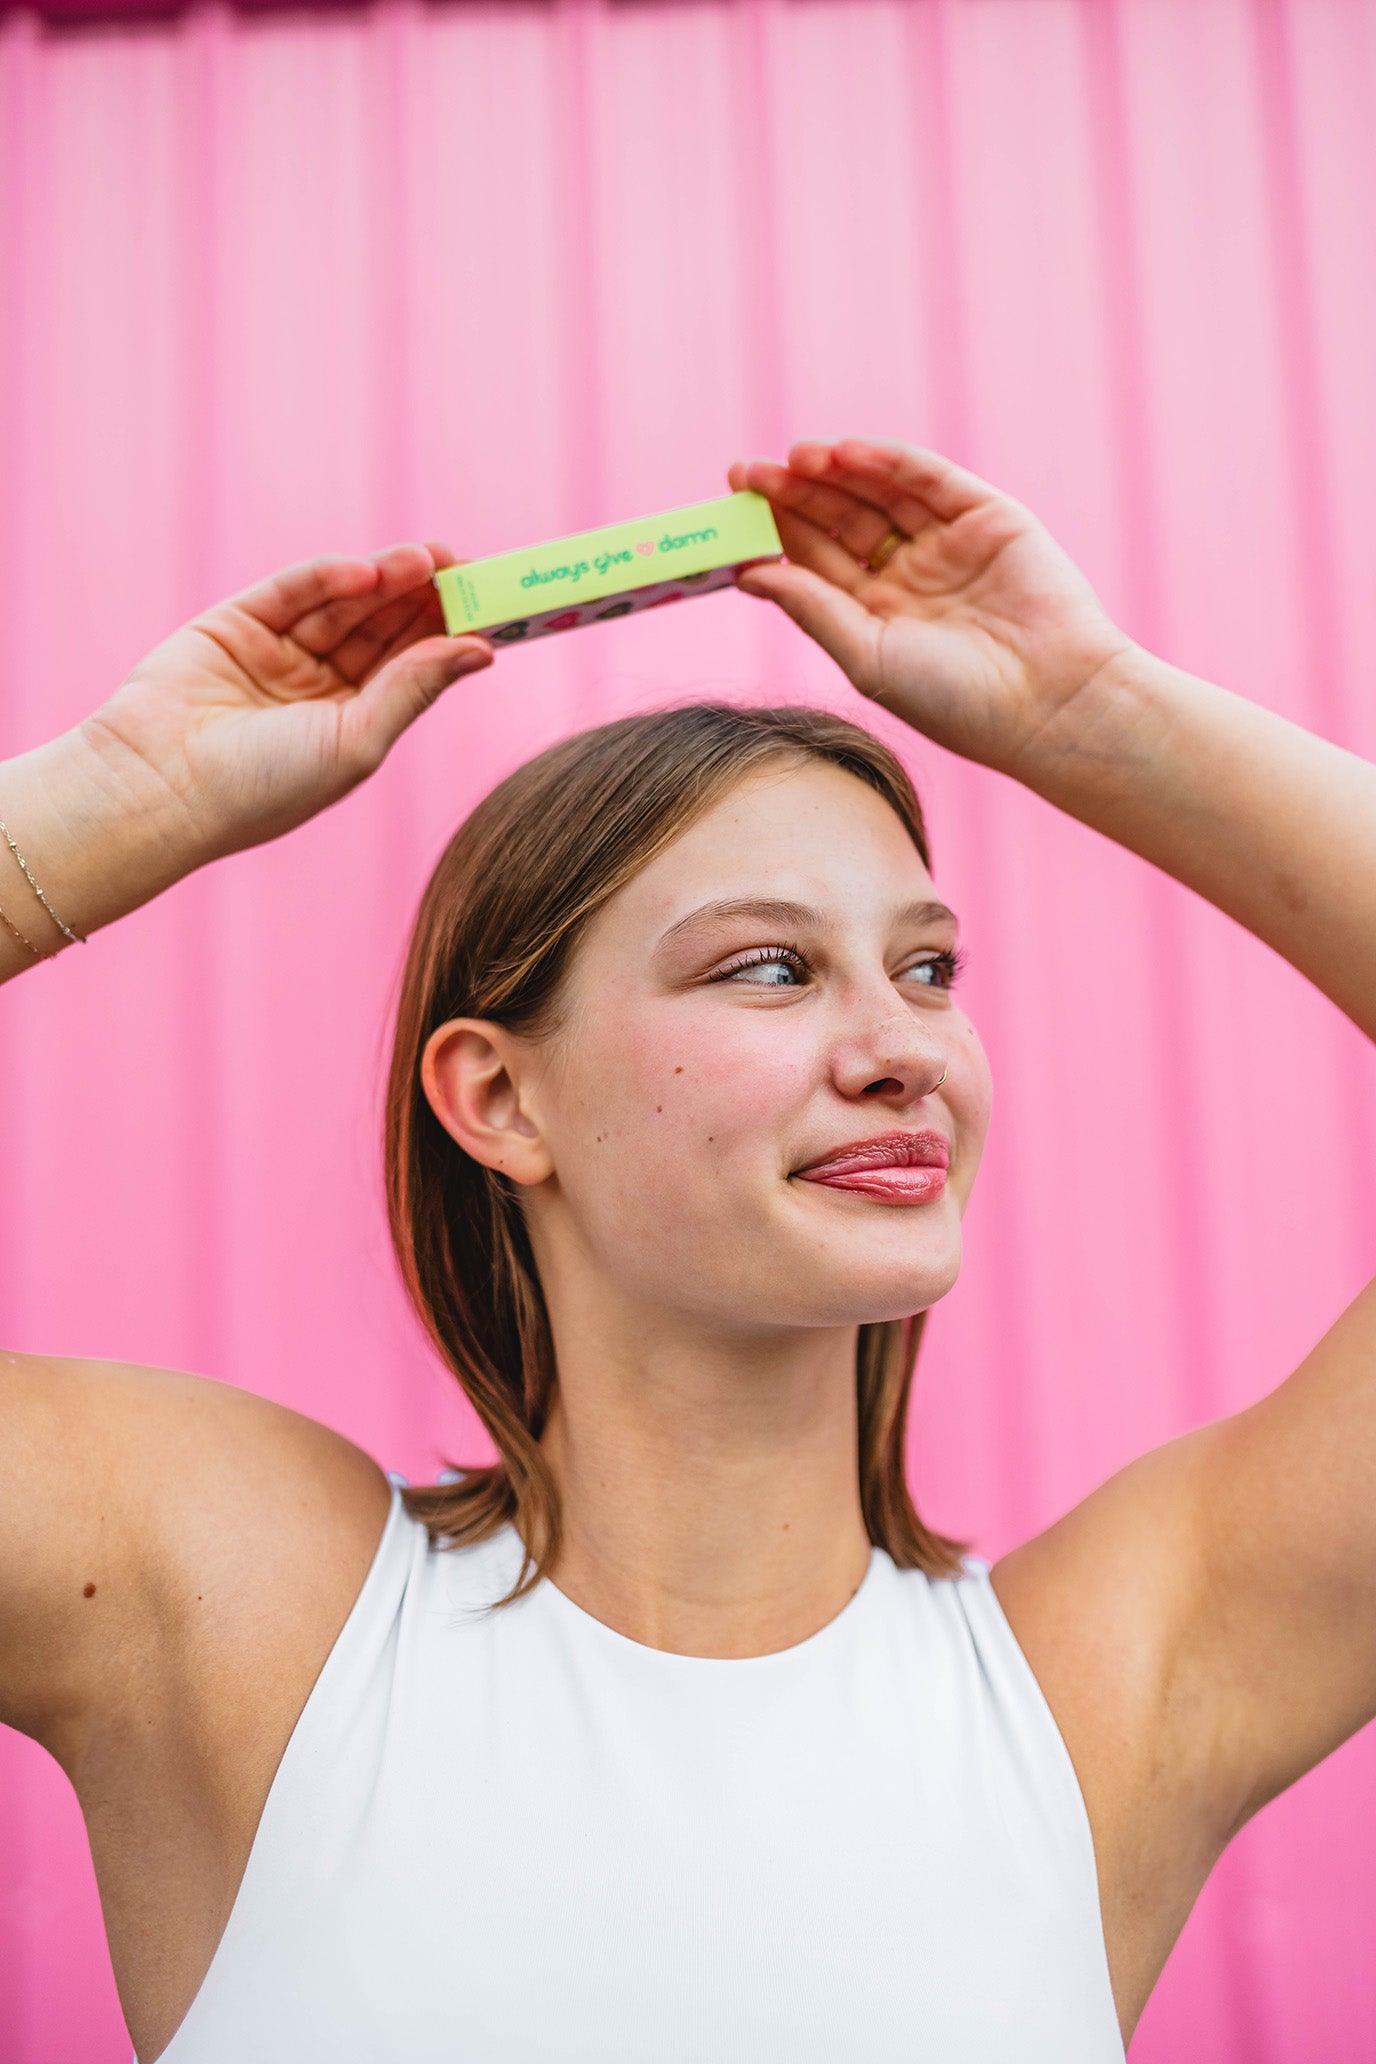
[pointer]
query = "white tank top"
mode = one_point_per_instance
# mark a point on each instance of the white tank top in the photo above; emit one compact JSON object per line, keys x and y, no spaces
{"x":520,"y":1837}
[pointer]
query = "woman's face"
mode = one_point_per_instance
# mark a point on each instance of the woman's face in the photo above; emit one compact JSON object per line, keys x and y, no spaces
{"x":765,"y":992}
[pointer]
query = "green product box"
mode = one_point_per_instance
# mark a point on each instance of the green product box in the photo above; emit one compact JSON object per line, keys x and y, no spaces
{"x":597,"y":574}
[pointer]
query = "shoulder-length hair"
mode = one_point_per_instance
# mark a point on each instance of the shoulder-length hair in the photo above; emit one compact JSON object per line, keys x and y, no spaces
{"x":494,"y":934}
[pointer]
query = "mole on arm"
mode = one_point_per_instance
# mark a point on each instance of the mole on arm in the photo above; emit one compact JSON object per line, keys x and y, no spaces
{"x":89,"y":1592}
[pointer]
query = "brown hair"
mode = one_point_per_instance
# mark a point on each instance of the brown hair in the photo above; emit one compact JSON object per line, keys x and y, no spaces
{"x":497,"y":925}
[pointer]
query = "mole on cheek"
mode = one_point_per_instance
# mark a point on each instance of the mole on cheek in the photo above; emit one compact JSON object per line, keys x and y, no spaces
{"x":678,"y":1071}
{"x":89,"y":1591}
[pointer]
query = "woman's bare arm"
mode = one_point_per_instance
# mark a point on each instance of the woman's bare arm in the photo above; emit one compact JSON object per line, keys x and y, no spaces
{"x":1240,"y":1560}
{"x":1276,"y":827}
{"x":99,"y":834}
{"x":1268,"y":822}
{"x":261,"y":712}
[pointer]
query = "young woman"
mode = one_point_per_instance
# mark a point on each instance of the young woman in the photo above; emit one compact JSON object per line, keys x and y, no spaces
{"x":676,"y":1735}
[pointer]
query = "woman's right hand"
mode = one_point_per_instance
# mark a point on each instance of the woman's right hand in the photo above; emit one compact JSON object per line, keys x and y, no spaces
{"x":273,"y":704}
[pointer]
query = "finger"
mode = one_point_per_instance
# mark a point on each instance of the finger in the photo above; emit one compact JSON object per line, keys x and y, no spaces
{"x":389,"y":631}
{"x":285,"y":597}
{"x":915,"y":485}
{"x":803,"y":538}
{"x":841,"y":625}
{"x":883,"y":499}
{"x":806,"y":545}
{"x":428,"y":623}
{"x":399,"y":692}
{"x":828,"y":502}
{"x":849,"y":507}
{"x":404,"y":623}
{"x":401,"y":570}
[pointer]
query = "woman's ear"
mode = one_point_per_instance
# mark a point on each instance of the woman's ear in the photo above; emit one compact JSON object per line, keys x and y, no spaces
{"x":471,"y":1072}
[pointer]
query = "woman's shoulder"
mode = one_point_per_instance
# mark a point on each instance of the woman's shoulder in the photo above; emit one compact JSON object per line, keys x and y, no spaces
{"x":258,"y":1526}
{"x":142,"y":1505}
{"x":250,"y":1529}
{"x":245,"y":1534}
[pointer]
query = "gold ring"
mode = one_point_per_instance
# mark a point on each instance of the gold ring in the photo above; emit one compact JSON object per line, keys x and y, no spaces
{"x":884,"y":551}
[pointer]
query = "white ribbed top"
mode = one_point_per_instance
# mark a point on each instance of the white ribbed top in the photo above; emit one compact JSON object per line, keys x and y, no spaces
{"x":523,"y":1838}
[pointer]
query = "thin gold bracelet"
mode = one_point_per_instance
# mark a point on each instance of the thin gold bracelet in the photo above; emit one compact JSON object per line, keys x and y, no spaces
{"x":11,"y":926}
{"x":65,"y":930}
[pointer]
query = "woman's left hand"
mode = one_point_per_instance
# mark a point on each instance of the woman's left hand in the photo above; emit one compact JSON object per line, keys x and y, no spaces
{"x":978,"y":630}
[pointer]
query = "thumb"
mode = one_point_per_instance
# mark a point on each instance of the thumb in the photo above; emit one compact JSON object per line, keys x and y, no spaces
{"x":840,"y":624}
{"x":398,"y":693}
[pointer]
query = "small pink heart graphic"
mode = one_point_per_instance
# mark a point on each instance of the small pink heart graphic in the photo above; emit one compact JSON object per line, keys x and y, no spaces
{"x":646,"y":547}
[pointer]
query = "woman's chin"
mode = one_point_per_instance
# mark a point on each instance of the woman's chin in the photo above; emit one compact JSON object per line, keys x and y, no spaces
{"x":868,"y":1293}
{"x":876,"y":1289}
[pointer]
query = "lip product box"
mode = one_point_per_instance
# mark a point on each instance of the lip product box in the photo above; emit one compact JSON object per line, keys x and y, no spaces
{"x":598,"y":574}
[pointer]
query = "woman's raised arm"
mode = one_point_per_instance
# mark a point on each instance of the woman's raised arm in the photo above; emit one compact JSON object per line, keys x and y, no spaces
{"x":260,"y":712}
{"x":1243,"y":1554}
{"x":253,"y":717}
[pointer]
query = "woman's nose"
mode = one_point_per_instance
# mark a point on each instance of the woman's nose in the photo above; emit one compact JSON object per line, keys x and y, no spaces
{"x":897,"y":1060}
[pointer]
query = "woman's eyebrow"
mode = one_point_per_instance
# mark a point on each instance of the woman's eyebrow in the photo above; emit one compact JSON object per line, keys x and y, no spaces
{"x":768,"y":909}
{"x":800,"y":916}
{"x":929,"y":912}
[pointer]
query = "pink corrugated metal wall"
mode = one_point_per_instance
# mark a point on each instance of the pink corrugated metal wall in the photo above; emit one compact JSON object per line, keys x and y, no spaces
{"x":287,"y":285}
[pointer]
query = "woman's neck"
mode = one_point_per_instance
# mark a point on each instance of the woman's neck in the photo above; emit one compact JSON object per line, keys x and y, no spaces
{"x":709,"y":1487}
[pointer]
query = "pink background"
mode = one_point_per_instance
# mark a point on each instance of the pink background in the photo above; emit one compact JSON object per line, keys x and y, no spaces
{"x":298,"y":284}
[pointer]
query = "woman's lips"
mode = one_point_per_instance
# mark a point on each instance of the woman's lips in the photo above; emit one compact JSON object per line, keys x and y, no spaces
{"x":896,"y":1168}
{"x":891,"y":1185}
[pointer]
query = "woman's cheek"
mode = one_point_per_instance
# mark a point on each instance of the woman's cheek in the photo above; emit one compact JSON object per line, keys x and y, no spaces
{"x":975,"y":1083}
{"x":733,"y":1082}
{"x":707,"y":1087}
{"x":970,"y":1105}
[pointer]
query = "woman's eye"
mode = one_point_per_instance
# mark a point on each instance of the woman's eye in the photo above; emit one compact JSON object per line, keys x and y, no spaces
{"x":948,"y":968}
{"x":769,"y":967}
{"x":784,"y":967}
